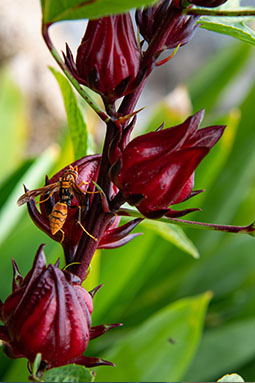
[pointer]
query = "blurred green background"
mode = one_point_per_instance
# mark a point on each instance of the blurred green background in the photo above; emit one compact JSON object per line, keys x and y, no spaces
{"x":185,"y":319}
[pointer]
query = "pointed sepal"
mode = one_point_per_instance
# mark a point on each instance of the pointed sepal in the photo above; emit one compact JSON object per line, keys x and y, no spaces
{"x":17,"y":277}
{"x":95,"y":290}
{"x":89,"y":361}
{"x":96,"y":331}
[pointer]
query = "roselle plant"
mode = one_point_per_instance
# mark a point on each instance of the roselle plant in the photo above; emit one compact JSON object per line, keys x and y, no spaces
{"x":47,"y":318}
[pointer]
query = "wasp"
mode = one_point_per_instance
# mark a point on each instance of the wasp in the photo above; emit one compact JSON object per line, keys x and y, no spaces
{"x":67,"y":189}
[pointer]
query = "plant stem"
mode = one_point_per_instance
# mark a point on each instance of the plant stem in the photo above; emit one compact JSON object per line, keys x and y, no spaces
{"x":249,"y":229}
{"x":211,"y":12}
{"x":100,"y":112}
{"x":148,"y":60}
{"x":97,"y":219}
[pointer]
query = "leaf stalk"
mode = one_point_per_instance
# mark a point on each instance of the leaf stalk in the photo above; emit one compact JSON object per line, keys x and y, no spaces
{"x":249,"y":229}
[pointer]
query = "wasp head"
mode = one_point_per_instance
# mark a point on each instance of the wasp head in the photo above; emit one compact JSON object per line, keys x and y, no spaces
{"x":73,"y":171}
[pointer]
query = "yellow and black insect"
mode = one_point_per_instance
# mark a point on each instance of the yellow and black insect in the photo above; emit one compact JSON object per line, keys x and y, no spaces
{"x":67,"y":189}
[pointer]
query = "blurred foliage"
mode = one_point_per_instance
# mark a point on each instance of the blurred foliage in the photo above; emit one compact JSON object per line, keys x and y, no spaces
{"x":152,"y":285}
{"x":76,"y":123}
{"x":13,"y":124}
{"x":54,"y":11}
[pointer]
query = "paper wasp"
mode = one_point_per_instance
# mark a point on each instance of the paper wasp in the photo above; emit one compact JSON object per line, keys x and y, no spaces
{"x":67,"y":189}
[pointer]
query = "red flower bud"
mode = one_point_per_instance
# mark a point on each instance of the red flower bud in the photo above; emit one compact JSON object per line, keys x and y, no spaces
{"x":49,"y":313}
{"x":207,"y":3}
{"x":181,"y":28}
{"x":108,"y":57}
{"x":71,"y":231}
{"x":156,"y":170}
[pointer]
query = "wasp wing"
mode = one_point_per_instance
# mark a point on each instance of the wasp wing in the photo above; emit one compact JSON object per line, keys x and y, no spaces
{"x":26,"y":197}
{"x":79,"y":194}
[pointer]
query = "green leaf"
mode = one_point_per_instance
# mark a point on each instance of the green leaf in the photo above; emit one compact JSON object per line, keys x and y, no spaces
{"x":10,"y":212}
{"x":12,"y":180}
{"x":161,"y":348}
{"x":69,"y":373}
{"x":235,"y":378}
{"x":13,"y":124}
{"x":231,"y":26}
{"x":223,"y":349}
{"x":77,"y":9}
{"x":173,"y":234}
{"x":17,"y":372}
{"x":76,"y":123}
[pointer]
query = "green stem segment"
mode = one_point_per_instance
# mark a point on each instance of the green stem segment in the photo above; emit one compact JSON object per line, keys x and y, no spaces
{"x":101,"y":113}
{"x":250,"y":229}
{"x":211,"y":12}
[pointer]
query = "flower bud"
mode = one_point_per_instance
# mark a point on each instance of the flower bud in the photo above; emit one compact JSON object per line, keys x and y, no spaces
{"x":71,"y":231}
{"x":156,"y":170}
{"x":49,"y":313}
{"x":181,"y":28}
{"x":108,"y":57}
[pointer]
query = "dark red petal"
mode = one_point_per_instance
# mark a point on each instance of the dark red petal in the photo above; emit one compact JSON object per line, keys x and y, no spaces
{"x":12,"y":352}
{"x":182,"y":32}
{"x":172,"y":176}
{"x":207,"y":3}
{"x":88,"y":168}
{"x":95,"y":290}
{"x":1,"y":310}
{"x":97,"y":331}
{"x":193,"y":194}
{"x":89,"y":361}
{"x":186,"y":190}
{"x":180,"y":213}
{"x":108,"y":55}
{"x":69,"y":61}
{"x":159,"y":143}
{"x":118,"y":233}
{"x":4,"y":336}
{"x":162,"y":178}
{"x":206,"y":137}
{"x":120,"y":242}
{"x":39,"y":265}
{"x":127,"y":133}
{"x":17,"y":277}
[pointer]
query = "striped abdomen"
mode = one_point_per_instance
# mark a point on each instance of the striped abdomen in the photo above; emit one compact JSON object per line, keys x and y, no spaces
{"x":58,"y":217}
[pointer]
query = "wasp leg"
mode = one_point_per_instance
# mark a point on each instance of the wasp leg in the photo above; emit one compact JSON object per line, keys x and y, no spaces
{"x":82,"y":183}
{"x":90,"y":235}
{"x":46,"y":199}
{"x":79,"y":222}
{"x":87,"y":192}
{"x":63,"y":236}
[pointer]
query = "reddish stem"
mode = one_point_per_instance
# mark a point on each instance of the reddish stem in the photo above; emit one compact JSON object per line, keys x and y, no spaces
{"x":97,"y":219}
